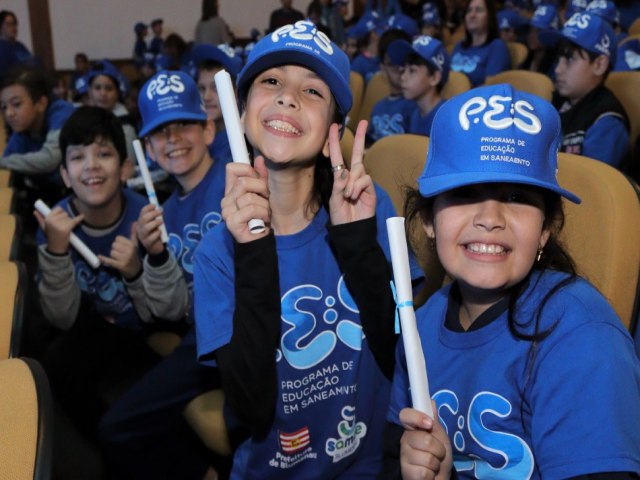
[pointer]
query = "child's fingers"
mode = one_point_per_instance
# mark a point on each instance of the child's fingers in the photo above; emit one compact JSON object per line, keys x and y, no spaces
{"x":339,"y":169}
{"x":133,"y":234}
{"x":357,"y":153}
{"x":412,"y":419}
{"x":234,"y":171}
{"x":39,"y":218}
{"x":108,"y":261}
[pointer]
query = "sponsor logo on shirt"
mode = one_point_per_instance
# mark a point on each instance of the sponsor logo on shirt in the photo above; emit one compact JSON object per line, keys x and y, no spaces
{"x":294,"y":442}
{"x":350,"y":433}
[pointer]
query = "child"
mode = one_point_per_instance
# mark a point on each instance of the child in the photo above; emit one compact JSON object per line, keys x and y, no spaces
{"x":523,"y":356}
{"x":594,"y":123}
{"x":482,"y":53}
{"x":101,"y":311}
{"x":144,"y":434}
{"x":35,"y":119}
{"x":431,"y":22}
{"x":283,"y":312}
{"x":208,"y":61}
{"x":155,"y":46}
{"x":542,"y":40}
{"x":426,"y":70}
{"x":391,"y":115}
{"x":510,"y":24}
{"x":140,"y":48}
{"x":367,"y":34}
{"x":107,"y":87}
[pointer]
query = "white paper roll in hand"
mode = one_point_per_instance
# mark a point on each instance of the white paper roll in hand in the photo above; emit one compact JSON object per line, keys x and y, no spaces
{"x":78,"y":244}
{"x":148,"y":184}
{"x":228,"y":104}
{"x":416,"y":365}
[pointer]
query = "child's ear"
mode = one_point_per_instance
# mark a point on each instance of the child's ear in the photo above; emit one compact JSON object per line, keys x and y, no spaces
{"x":126,"y":170}
{"x":209,"y":131}
{"x":600,"y":65}
{"x":429,"y":230}
{"x":149,"y":149}
{"x":65,"y":175}
{"x":544,"y":237}
{"x":41,"y":104}
{"x":434,"y":80}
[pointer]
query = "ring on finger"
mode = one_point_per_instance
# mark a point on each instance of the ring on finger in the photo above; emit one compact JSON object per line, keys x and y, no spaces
{"x":338,"y":168}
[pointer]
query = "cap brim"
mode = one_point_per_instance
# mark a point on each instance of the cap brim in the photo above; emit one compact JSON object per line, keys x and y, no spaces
{"x":444,"y":183}
{"x":169,"y":117}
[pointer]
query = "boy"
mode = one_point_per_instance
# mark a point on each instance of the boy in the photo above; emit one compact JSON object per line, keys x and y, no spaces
{"x":594,"y":123}
{"x":209,"y":60}
{"x":391,"y":115}
{"x":426,"y":70}
{"x":145,"y":434}
{"x":101,"y":311}
{"x":155,"y":47}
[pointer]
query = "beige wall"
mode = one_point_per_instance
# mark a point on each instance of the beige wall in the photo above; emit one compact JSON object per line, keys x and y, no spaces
{"x":96,"y":26}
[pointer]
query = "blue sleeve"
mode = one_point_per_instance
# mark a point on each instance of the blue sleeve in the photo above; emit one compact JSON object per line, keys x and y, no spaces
{"x":214,"y":293}
{"x":585,"y":396}
{"x":607,"y":140}
{"x":499,"y":58}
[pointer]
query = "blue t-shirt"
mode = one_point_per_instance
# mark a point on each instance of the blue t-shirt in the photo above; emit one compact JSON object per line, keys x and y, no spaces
{"x":103,"y":288}
{"x":390,"y":116}
{"x":365,"y":66}
{"x":577,"y":413}
{"x":607,"y":140}
{"x":478,"y":63}
{"x":220,"y":149}
{"x":421,"y":124}
{"x":189,"y":217}
{"x":331,"y":392}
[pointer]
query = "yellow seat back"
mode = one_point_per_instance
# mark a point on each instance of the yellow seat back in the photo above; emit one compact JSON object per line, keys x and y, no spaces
{"x":626,"y":87}
{"x":602,"y":234}
{"x":376,"y":90}
{"x":457,"y":83}
{"x":526,"y":81}
{"x":12,"y":279}
{"x":356,"y":85}
{"x":518,"y":53}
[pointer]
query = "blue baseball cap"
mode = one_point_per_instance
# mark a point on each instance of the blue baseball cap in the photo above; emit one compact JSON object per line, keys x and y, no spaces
{"x":628,"y":56}
{"x":105,"y":67}
{"x":493,"y":134}
{"x":169,"y":96}
{"x":301,"y":44}
{"x":547,"y":21}
{"x":369,"y":22}
{"x":508,"y":18}
{"x":139,"y":27}
{"x":430,"y":15}
{"x":400,"y":21}
{"x":223,"y":54}
{"x":575,"y":6}
{"x":605,"y":9}
{"x":428,"y":48}
{"x":592,"y":33}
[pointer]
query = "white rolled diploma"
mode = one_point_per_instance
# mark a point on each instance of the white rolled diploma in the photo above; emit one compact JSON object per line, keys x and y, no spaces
{"x":227,"y":99}
{"x":78,"y":244}
{"x":148,"y":184}
{"x":416,"y":365}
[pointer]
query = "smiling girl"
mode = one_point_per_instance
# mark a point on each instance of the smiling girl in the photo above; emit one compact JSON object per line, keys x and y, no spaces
{"x":532,"y":373}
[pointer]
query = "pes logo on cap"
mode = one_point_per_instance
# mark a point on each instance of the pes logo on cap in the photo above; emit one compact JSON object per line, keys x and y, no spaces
{"x":520,"y":114}
{"x":303,"y":31}
{"x":164,"y":84}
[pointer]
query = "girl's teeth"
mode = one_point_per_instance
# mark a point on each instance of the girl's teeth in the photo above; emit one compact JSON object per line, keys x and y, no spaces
{"x":484,"y":248}
{"x":282,"y":126}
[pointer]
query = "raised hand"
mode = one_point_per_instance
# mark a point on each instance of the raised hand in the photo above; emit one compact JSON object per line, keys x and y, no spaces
{"x":246,"y":196}
{"x":57,"y":226}
{"x":353,"y":197}
{"x":124,"y":255}
{"x":425,"y":450}
{"x":148,"y":228}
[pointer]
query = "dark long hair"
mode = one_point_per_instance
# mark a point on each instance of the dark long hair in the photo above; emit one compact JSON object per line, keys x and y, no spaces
{"x":492,"y":23}
{"x":554,"y":257}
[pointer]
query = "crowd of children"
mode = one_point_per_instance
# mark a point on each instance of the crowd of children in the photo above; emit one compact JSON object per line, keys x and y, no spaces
{"x":294,"y":325}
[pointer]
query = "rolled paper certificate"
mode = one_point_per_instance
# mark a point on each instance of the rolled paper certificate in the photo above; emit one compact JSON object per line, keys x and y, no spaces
{"x":78,"y":244}
{"x":227,"y":99}
{"x":416,"y":365}
{"x":148,"y":184}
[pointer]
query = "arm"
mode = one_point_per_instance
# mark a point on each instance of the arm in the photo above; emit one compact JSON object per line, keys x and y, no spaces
{"x":135,"y":289}
{"x":164,"y":287}
{"x":45,"y":160}
{"x":607,"y":140}
{"x":247,"y":363}
{"x":59,"y":293}
{"x":367,"y":275}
